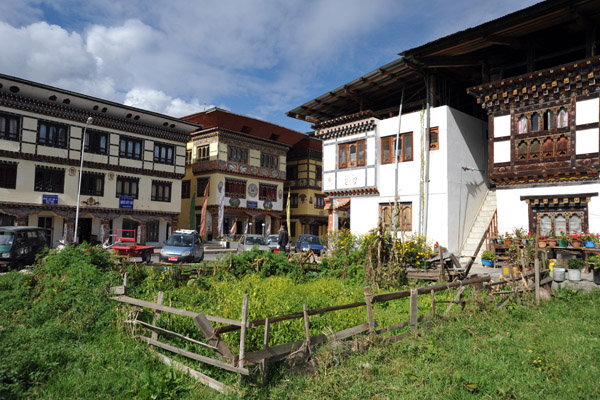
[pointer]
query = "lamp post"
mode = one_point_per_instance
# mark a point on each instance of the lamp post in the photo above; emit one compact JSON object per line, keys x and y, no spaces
{"x":263,"y":229}
{"x":87,"y":123}
{"x":250,"y":229}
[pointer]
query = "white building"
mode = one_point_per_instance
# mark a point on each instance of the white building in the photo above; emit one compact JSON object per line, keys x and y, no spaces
{"x":358,"y":163}
{"x":133,"y":164}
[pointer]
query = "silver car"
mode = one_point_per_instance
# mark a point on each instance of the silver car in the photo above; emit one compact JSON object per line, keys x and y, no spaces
{"x":247,"y":242}
{"x":272,"y":242}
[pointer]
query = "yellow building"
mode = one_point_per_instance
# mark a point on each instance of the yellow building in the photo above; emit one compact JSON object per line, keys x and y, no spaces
{"x":304,"y":182}
{"x":245,"y":158}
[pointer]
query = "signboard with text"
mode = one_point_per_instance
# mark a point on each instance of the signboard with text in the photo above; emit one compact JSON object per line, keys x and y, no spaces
{"x":49,"y":199}
{"x":126,"y":202}
{"x":252,"y":204}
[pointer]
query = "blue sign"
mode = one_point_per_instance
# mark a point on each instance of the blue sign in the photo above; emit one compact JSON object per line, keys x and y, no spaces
{"x":49,"y":199}
{"x":252,"y":204}
{"x":126,"y":202}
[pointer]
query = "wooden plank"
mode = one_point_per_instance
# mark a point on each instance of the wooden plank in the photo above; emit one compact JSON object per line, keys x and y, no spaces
{"x":414,"y":298}
{"x":306,"y":326}
{"x":393,"y":339}
{"x":536,"y":266}
{"x":194,"y":356}
{"x":172,"y":310}
{"x":456,"y":299}
{"x":455,"y":261}
{"x":433,"y":304}
{"x":157,"y":315}
{"x":171,"y":333}
{"x":200,"y":377}
{"x":242,"y":360}
{"x":427,"y":289}
{"x":316,"y":311}
{"x":348,"y":332}
{"x":264,"y":364}
{"x":369,"y":303}
{"x":211,"y":337}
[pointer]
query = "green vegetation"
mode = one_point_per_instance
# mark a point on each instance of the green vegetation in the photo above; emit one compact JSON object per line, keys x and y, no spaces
{"x":61,"y":336}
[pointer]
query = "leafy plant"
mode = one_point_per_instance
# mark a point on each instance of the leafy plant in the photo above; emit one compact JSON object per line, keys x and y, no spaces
{"x":575,"y":263}
{"x":488,"y":255}
{"x":595,"y":261}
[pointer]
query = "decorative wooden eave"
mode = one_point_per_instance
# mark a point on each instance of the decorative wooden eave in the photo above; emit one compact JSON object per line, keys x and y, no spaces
{"x":544,"y":85}
{"x":559,"y":199}
{"x":352,"y":192}
{"x":359,"y":116}
{"x":570,"y":177}
{"x":33,"y":208}
{"x":242,"y":138}
{"x":347,"y":125}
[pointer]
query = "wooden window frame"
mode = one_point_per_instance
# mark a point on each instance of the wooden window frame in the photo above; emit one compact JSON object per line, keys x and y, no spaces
{"x":294,"y":200}
{"x":50,"y":180}
{"x":8,"y":175}
{"x":131,"y":183}
{"x":237,"y":154}
{"x":59,"y":139}
{"x":152,"y":230}
{"x":165,"y":188}
{"x":203,"y":152}
{"x":267,"y":192}
{"x":319,"y":201}
{"x":404,"y":223}
{"x":434,"y":145}
{"x":164,"y":153}
{"x":93,"y":142}
{"x":92,"y":184}
{"x":268,"y":160}
{"x":186,"y":186}
{"x":344,"y":162}
{"x":403,"y":156}
{"x":201,"y":186}
{"x":10,"y":127}
{"x":125,"y":141}
{"x":235,"y":188}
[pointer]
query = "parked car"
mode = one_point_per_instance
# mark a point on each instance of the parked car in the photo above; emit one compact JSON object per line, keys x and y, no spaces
{"x":247,"y":242}
{"x":272,"y":243}
{"x":305,"y":241}
{"x":20,"y":244}
{"x":185,"y":245}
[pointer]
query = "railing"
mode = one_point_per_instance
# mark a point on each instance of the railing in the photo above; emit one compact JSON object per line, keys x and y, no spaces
{"x":492,"y":231}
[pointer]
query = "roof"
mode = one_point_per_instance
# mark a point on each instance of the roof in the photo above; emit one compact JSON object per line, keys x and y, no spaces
{"x":546,"y":34}
{"x":77,"y":106}
{"x":219,"y":118}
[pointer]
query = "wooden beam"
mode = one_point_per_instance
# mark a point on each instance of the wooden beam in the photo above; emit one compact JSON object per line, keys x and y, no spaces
{"x":212,"y":337}
{"x":167,"y":332}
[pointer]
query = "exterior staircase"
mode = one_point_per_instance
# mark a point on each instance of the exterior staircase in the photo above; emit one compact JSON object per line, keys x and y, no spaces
{"x":479,"y":229}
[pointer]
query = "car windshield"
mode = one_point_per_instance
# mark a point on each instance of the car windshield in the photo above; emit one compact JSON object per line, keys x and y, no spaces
{"x":180,"y":240}
{"x":6,"y":238}
{"x":254,"y":240}
{"x":272,"y":238}
{"x":311,"y":240}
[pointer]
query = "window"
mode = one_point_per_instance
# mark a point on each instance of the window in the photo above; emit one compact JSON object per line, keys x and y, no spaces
{"x":202,"y":153}
{"x":535,"y":122}
{"x":405,"y":149}
{"x":269,"y":161}
{"x":267,"y":192}
{"x":130,"y":148}
{"x":237,"y":154}
{"x":235,"y":188}
{"x":188,"y":157}
{"x":9,"y":127}
{"x":52,"y":134}
{"x":293,"y":228}
{"x":294,"y":200}
{"x":161,"y":191}
{"x":351,"y":154}
{"x":8,"y":175}
{"x":163,"y":153}
{"x":403,"y":217}
{"x":96,"y":142}
{"x":152,"y":231}
{"x":127,"y":186}
{"x":92,"y":184}
{"x":548,"y":120}
{"x":434,"y":138}
{"x":562,"y":120}
{"x":319,"y":201}
{"x":292,"y":172}
{"x":522,"y":125}
{"x":185,"y":189}
{"x":49,"y":180}
{"x":201,"y":186}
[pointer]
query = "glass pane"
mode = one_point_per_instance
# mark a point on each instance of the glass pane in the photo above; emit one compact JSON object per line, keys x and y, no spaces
{"x":408,"y":147}
{"x":352,"y":152}
{"x":385,"y":149}
{"x":575,"y":223}
{"x":523,"y":124}
{"x":560,"y":225}
{"x":361,"y":152}
{"x":535,"y":122}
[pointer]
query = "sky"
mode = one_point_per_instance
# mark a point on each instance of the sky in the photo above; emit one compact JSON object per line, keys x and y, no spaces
{"x":259,"y":58}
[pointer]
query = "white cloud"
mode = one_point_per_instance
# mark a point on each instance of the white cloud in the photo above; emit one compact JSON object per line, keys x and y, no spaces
{"x":158,"y":101}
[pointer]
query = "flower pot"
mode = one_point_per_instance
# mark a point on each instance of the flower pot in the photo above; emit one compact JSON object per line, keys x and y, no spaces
{"x":597,"y":245}
{"x":508,"y":241}
{"x":552,"y":243}
{"x":589,"y":244}
{"x":597,"y":276}
{"x":576,"y":243}
{"x":558,"y":274}
{"x":562,"y":243}
{"x":487,"y":263}
{"x":542,"y":244}
{"x":574,"y":274}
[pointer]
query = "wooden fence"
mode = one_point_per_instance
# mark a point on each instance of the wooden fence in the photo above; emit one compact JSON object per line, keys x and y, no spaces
{"x":227,"y":361}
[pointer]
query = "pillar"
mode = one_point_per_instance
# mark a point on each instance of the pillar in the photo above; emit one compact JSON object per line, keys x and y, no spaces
{"x":173,"y":227}
{"x":70,"y":229}
{"x":143,"y":233}
{"x":215,"y":223}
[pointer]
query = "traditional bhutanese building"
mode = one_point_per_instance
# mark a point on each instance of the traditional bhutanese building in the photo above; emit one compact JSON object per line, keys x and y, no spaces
{"x":244,"y":157}
{"x":134,"y":161}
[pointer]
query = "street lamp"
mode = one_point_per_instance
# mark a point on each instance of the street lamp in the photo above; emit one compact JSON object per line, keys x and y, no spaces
{"x":87,"y":123}
{"x":263,"y":229}
{"x":250,"y":229}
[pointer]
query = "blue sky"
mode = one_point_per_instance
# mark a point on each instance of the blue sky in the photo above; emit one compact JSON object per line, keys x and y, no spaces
{"x":255,"y":57}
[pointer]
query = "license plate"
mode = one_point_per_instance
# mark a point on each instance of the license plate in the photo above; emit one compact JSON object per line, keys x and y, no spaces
{"x":172,"y":258}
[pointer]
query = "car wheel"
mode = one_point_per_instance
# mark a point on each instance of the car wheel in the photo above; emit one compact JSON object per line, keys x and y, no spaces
{"x":146,"y":257}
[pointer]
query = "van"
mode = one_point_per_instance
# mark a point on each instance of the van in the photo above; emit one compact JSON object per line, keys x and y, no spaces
{"x":185,"y":245}
{"x":19,"y":245}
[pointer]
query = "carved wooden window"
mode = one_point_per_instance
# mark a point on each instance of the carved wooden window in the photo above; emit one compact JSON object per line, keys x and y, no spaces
{"x":404,"y":217}
{"x":548,"y":120}
{"x":562,"y":146}
{"x":535,"y":122}
{"x":434,"y":138}
{"x":351,"y":154}
{"x":562,"y":120}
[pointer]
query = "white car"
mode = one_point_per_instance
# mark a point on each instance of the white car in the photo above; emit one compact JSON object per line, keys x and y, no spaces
{"x":247,"y":242}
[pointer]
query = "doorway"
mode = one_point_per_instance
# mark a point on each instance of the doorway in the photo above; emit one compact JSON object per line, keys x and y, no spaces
{"x":84,"y":230}
{"x":46,"y":223}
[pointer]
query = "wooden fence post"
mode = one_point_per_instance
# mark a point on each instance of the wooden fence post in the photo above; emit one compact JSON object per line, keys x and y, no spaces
{"x":370,"y":317}
{"x":441,"y":262}
{"x":433,"y":304}
{"x":414,"y":296}
{"x":536,"y":265}
{"x":264,"y":363}
{"x":157,"y":314}
{"x":242,"y":360}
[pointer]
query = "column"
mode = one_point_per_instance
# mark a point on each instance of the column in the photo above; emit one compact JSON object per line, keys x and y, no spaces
{"x":174,"y":223}
{"x":143,"y":233}
{"x":70,"y":231}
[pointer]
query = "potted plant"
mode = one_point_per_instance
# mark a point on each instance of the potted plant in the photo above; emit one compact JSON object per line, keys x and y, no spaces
{"x":574,"y":266}
{"x":595,"y":264}
{"x":575,"y":239}
{"x":588,"y":239}
{"x":520,"y":235}
{"x":487,"y":258}
{"x":552,"y":242}
{"x":508,"y":238}
{"x":542,"y":241}
{"x":563,"y":239}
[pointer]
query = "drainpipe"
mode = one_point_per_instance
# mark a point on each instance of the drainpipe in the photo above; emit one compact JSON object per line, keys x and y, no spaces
{"x":426,"y":183}
{"x":396,"y":157}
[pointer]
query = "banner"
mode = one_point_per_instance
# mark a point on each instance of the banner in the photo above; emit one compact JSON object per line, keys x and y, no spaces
{"x":233,"y":229}
{"x":204,"y":207}
{"x":287,"y":211}
{"x":221,"y":209}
